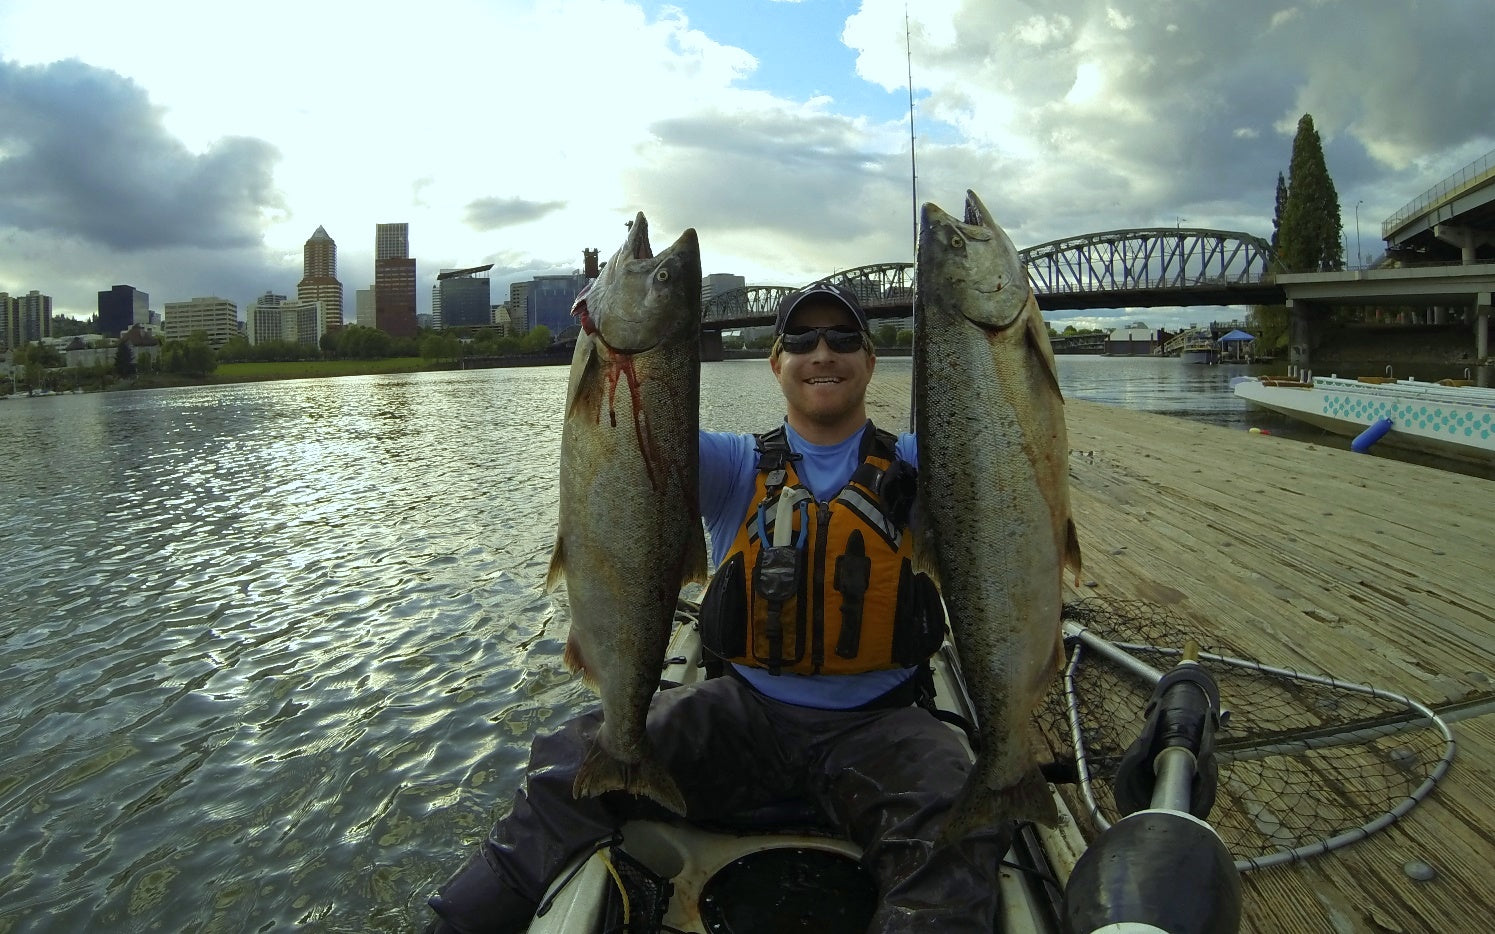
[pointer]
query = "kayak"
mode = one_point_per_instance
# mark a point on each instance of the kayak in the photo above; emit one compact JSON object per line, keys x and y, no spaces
{"x":779,"y":870}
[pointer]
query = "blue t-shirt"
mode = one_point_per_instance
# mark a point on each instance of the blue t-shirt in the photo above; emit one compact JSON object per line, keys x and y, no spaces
{"x":729,"y":477}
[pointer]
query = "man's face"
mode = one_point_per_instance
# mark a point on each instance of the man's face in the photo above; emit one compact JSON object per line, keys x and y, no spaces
{"x":824,"y":387}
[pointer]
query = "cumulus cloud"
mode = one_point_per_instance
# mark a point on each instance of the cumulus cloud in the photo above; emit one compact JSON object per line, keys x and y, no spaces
{"x":84,"y":154}
{"x":1067,"y":117}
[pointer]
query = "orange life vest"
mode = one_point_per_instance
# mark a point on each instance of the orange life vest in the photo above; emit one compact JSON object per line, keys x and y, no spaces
{"x":824,"y":587}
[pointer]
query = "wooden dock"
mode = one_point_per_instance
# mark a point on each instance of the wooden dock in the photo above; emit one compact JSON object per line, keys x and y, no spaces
{"x":1364,"y":568}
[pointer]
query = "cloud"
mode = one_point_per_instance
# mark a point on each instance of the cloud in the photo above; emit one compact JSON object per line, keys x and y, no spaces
{"x":84,"y":154}
{"x":1070,"y":117}
{"x":494,"y":213}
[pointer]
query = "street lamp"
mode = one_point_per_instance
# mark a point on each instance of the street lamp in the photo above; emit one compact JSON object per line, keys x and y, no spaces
{"x":1360,"y":257}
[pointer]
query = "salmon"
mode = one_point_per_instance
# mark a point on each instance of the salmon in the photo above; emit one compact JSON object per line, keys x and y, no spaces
{"x":994,"y":526}
{"x":629,"y":533}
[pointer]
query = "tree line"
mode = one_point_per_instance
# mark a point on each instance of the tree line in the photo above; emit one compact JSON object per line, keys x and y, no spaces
{"x":40,"y":366}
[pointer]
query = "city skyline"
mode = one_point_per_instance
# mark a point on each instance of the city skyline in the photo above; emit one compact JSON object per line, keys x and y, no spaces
{"x":779,"y":130}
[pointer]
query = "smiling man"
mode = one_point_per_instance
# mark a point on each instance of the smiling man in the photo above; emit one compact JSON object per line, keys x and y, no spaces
{"x":819,"y":632}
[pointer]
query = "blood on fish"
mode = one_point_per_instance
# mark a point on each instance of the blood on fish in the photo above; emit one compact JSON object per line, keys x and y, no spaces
{"x":620,"y":365}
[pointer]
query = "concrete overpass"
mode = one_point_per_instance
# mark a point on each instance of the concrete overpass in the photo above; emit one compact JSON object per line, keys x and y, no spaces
{"x":1452,"y":221}
{"x":1467,"y":288}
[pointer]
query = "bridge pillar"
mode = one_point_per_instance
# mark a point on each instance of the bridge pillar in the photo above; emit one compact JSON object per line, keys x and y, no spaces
{"x":1466,"y":239}
{"x":1300,"y":333}
{"x":711,"y":346}
{"x":1482,"y":311}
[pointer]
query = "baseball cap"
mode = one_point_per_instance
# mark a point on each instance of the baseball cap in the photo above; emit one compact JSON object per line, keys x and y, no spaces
{"x":830,"y":290}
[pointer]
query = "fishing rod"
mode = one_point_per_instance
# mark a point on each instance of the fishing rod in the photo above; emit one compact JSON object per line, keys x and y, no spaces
{"x":913,"y":182}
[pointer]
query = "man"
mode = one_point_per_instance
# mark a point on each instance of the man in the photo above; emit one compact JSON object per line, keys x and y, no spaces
{"x":821,"y":630}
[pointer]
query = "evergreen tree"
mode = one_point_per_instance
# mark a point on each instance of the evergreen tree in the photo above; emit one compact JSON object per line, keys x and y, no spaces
{"x":1277,"y":211}
{"x":124,"y":361}
{"x":1309,"y":234}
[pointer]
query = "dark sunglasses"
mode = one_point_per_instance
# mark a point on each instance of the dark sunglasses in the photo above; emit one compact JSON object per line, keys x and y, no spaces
{"x":838,"y":339}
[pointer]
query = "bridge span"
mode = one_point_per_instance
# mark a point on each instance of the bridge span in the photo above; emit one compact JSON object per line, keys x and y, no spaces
{"x":1143,"y":268}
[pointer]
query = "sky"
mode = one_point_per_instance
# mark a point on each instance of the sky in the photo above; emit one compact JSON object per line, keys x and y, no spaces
{"x":191,"y":149}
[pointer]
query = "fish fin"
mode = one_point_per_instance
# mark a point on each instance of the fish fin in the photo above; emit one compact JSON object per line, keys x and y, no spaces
{"x":557,"y":568}
{"x":585,"y":383}
{"x":576,"y":661}
{"x":695,"y":570}
{"x":1072,"y":548}
{"x":926,"y":550}
{"x":601,"y":772}
{"x":1038,"y":339}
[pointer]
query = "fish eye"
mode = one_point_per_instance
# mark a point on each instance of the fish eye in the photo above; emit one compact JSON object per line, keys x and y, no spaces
{"x":662,"y":275}
{"x":957,"y":241}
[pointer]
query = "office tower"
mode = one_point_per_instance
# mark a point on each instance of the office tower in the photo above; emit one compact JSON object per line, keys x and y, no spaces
{"x":10,"y":322}
{"x":262,"y":318}
{"x":319,"y":282}
{"x":216,"y":317}
{"x":720,"y":283}
{"x":394,"y":281}
{"x":518,"y":307}
{"x":363,"y":308}
{"x":35,"y":313}
{"x":304,"y":322}
{"x":463,"y":298}
{"x":550,"y":299}
{"x":121,"y":308}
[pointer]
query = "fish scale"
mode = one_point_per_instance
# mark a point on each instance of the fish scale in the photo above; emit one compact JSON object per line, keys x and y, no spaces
{"x":995,"y":526}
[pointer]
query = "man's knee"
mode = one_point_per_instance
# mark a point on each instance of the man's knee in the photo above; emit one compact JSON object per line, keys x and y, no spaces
{"x":479,"y":900}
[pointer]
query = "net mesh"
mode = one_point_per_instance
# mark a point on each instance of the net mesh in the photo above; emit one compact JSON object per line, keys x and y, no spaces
{"x":1302,"y":763}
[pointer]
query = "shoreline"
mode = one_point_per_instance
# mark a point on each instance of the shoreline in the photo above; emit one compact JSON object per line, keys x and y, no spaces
{"x":1424,"y":352}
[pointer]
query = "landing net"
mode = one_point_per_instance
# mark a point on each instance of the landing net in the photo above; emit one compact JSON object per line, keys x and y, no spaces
{"x":1307,"y":763}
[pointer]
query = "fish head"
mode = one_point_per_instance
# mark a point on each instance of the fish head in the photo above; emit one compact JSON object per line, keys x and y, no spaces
{"x":639,"y":299}
{"x":970,"y":265}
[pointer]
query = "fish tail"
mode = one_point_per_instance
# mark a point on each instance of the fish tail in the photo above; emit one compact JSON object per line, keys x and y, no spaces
{"x":602,"y":772}
{"x":980,"y":808}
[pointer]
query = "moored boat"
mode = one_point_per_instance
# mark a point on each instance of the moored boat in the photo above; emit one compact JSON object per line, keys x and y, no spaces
{"x":1450,"y":419}
{"x":1199,"y":351}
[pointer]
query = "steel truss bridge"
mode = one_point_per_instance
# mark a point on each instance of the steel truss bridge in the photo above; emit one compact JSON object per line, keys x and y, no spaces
{"x":1146,"y":268}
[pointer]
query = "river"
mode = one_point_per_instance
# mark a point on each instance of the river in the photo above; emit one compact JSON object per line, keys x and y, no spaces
{"x":273,"y":652}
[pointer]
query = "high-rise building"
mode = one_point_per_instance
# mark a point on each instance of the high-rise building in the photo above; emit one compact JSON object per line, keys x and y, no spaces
{"x":550,"y":299}
{"x":262,"y":318}
{"x":391,"y":241}
{"x":303,"y":322}
{"x":463,"y":298}
{"x":720,"y":283}
{"x":518,"y":307}
{"x":35,"y":313}
{"x":394,"y":281}
{"x":363,"y":308}
{"x":216,"y":317}
{"x":10,"y":322}
{"x":319,"y":282}
{"x":121,"y":308}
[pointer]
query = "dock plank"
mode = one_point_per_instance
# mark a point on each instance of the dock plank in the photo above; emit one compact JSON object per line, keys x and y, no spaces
{"x":1368,"y":569}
